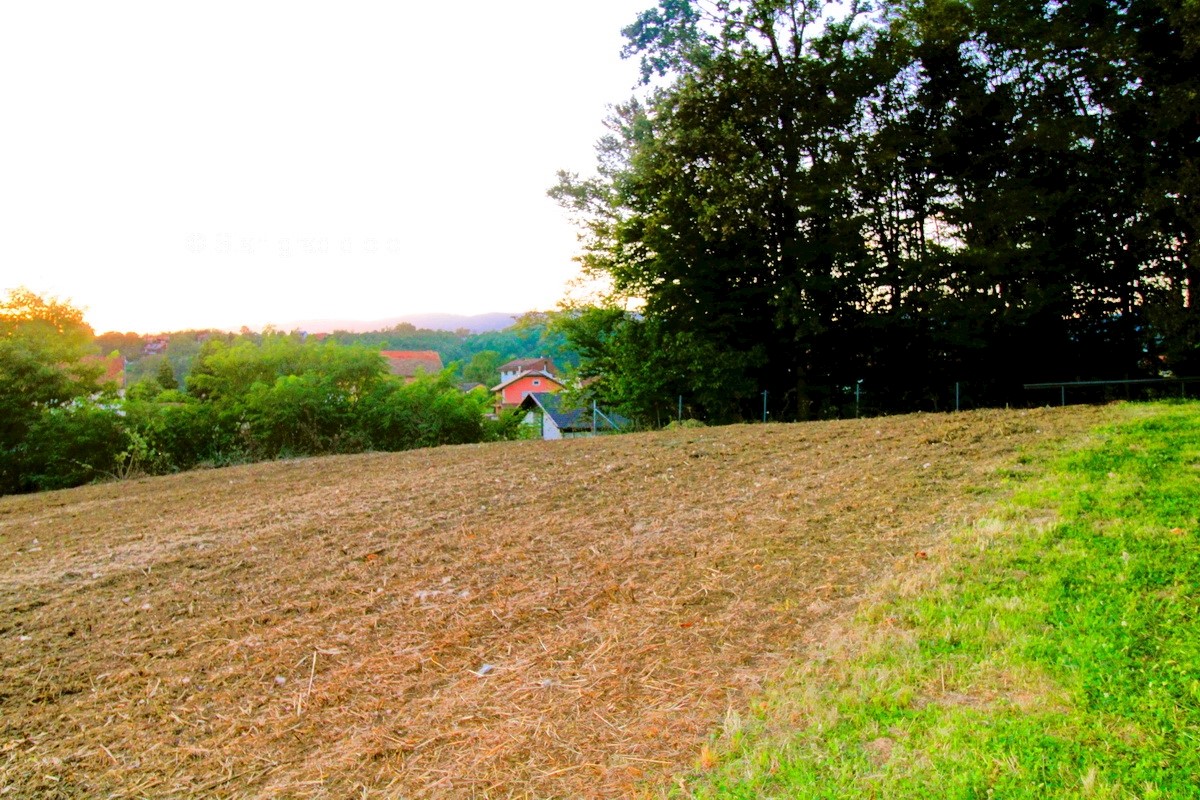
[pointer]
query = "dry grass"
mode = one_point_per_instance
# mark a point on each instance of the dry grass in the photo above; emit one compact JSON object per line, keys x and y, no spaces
{"x":526,"y":619}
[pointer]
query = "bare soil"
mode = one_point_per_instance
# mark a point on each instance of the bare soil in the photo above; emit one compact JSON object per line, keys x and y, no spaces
{"x":533,"y":619}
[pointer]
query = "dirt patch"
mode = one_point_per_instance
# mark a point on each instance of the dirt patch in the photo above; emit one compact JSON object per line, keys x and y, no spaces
{"x":879,"y":750}
{"x":527,"y":619}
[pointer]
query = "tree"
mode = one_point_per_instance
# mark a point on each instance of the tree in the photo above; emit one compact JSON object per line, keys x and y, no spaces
{"x":913,"y":193}
{"x":42,"y":345}
{"x":127,"y":344}
{"x":724,"y":205}
{"x":484,"y":367}
{"x":52,"y":325}
{"x":166,"y":375}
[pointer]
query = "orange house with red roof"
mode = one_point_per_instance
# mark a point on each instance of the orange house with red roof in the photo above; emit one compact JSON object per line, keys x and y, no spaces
{"x":511,"y":392}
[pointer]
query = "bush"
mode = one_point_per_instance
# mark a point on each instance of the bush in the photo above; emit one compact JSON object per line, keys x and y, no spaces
{"x":178,"y":436}
{"x":245,"y":402}
{"x":75,"y":444}
{"x":298,"y":415}
{"x":424,"y":413}
{"x":508,"y":426}
{"x":677,"y":424}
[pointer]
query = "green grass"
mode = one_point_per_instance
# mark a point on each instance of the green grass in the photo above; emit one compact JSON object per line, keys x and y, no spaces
{"x":1052,"y":651}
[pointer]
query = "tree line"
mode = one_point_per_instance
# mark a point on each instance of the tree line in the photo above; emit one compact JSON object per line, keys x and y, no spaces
{"x":908,"y":193}
{"x":471,"y":357}
{"x":242,"y":399}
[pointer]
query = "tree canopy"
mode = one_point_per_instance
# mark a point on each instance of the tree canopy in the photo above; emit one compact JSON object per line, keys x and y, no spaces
{"x":909,"y":194}
{"x":245,"y":398}
{"x":43,"y":372}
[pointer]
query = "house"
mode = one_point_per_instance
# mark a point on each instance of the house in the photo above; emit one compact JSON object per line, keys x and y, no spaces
{"x":515,"y":367}
{"x":559,"y":422}
{"x":155,"y":345}
{"x":510,"y":393}
{"x":408,"y":363}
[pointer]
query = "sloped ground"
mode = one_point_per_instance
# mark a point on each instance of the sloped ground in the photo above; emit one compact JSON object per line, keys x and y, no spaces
{"x":525,"y":619}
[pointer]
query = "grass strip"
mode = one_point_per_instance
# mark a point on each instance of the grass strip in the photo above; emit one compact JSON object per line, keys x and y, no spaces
{"x":1051,"y":651}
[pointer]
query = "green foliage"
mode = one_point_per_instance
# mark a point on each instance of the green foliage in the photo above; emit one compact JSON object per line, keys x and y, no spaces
{"x":484,"y":368}
{"x":300,"y":414}
{"x":224,"y":372}
{"x":248,"y":397}
{"x":427,"y":412}
{"x":166,"y":375}
{"x":284,"y":397}
{"x":42,"y":343}
{"x":531,"y":336}
{"x":177,"y":433}
{"x":145,"y":389}
{"x":73,"y":444}
{"x":128,"y":345}
{"x":1055,"y":661}
{"x":907,"y":193}
{"x":640,"y":366}
{"x":50,"y":326}
{"x":508,"y":426}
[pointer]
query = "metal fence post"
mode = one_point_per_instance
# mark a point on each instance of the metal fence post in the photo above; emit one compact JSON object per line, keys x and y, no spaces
{"x":1183,"y":381}
{"x":764,"y":406}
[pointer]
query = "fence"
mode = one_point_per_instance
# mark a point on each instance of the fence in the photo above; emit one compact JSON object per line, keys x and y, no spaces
{"x":861,"y":400}
{"x":1092,"y":387}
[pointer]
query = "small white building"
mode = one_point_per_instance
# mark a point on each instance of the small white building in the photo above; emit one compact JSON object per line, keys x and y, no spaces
{"x":546,"y":411}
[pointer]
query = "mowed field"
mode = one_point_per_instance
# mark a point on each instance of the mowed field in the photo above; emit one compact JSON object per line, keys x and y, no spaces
{"x":541,"y":619}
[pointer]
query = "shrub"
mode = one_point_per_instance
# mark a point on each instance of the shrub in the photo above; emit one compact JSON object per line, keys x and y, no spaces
{"x":75,"y":444}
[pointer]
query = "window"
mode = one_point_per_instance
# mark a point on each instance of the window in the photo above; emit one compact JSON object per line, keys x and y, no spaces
{"x":537,"y":382}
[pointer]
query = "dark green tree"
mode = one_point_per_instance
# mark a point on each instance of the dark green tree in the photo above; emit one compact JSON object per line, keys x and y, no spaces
{"x":484,"y":368}
{"x":724,"y":204}
{"x":913,"y":194}
{"x":166,"y":375}
{"x":43,"y":343}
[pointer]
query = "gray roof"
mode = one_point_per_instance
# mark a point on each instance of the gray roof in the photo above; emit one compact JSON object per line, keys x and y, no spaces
{"x":572,"y":419}
{"x":527,"y":364}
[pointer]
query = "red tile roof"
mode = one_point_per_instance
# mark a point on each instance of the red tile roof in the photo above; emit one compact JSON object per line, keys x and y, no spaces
{"x":405,"y":363}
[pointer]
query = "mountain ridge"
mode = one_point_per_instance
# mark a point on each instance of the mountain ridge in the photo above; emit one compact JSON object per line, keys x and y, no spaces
{"x":438,"y":321}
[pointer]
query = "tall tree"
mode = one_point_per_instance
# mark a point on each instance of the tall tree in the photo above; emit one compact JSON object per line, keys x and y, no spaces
{"x":724,"y":205}
{"x":42,"y":345}
{"x":986,"y":190}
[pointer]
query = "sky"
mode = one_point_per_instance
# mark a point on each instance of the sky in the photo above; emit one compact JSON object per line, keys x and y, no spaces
{"x":191,"y":165}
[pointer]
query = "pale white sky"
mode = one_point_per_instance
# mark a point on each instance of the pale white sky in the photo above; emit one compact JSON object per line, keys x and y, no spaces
{"x":176,"y":165}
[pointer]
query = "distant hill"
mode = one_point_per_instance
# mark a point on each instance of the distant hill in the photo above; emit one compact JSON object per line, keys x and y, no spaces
{"x":477,"y":323}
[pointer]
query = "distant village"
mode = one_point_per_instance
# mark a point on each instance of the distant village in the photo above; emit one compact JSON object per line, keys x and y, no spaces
{"x":555,"y":405}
